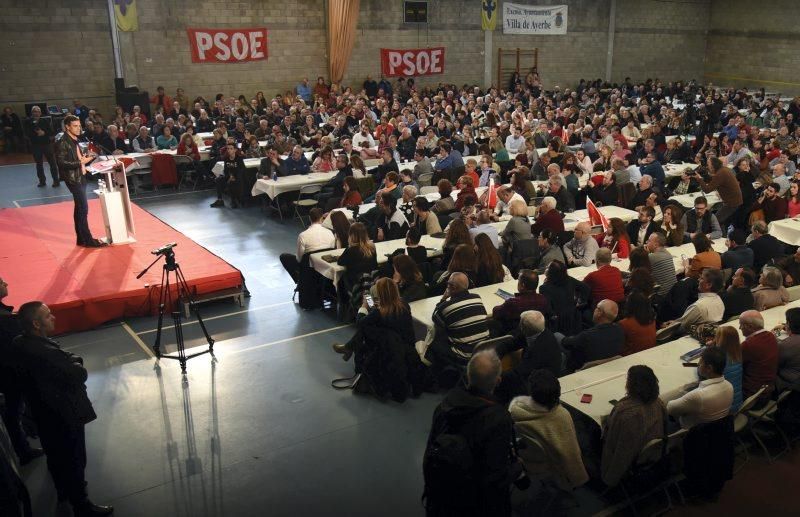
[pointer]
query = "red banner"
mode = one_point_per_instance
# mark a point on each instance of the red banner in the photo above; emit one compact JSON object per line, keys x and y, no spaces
{"x":412,"y":62}
{"x":228,"y":45}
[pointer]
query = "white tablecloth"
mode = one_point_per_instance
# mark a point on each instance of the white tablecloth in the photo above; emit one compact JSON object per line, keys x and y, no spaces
{"x":687,"y":200}
{"x":676,"y":169}
{"x":274,"y":188}
{"x":607,"y":381}
{"x":786,"y":230}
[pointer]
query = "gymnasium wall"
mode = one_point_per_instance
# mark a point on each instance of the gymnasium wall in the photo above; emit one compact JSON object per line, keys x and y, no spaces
{"x":60,"y":53}
{"x":755,"y":44}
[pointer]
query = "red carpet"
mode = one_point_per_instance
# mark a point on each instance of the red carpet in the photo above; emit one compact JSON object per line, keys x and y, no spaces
{"x":85,"y":287}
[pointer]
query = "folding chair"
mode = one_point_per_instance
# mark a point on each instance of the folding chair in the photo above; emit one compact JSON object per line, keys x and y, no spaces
{"x":425,"y":179}
{"x":185,"y":166}
{"x":306,"y":200}
{"x":741,"y":422}
{"x":428,"y":190}
{"x":766,"y":415}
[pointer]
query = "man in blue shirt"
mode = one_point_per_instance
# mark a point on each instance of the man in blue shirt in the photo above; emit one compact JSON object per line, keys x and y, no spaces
{"x":296,"y":163}
{"x":651,"y":166}
{"x":304,"y":90}
{"x":449,"y":158}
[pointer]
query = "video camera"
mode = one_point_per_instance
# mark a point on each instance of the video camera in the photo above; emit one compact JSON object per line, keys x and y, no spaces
{"x":166,"y":248}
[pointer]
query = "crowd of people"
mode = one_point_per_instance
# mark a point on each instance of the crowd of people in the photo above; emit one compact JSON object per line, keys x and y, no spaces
{"x":551,"y":150}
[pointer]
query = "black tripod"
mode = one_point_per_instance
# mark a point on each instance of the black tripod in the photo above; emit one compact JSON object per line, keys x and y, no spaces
{"x":166,"y":302}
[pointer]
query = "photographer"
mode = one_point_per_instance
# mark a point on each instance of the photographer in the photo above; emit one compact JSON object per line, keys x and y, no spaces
{"x":726,"y":185}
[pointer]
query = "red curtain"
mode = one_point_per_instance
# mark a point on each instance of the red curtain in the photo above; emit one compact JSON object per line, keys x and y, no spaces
{"x":342,"y":22}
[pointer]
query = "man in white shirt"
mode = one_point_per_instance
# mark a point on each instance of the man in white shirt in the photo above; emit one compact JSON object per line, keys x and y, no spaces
{"x":515,"y":144}
{"x":505,"y":196}
{"x":315,"y":238}
{"x":363,"y":142}
{"x":712,"y":398}
{"x":709,"y":307}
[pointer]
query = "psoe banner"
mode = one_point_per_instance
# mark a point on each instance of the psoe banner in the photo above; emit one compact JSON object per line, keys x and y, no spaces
{"x":228,"y":45}
{"x":534,"y":19}
{"x":412,"y":62}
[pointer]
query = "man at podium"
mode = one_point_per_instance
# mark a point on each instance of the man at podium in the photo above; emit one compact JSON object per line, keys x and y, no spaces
{"x":72,"y":167}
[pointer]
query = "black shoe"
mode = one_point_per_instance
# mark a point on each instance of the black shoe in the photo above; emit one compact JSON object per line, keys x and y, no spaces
{"x":30,"y":455}
{"x":89,"y":509}
{"x":56,"y":184}
{"x":341,"y":348}
{"x":96,"y":243}
{"x":42,"y":184}
{"x":218,"y":204}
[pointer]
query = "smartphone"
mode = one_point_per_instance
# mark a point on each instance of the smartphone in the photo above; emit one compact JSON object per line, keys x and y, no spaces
{"x":586,"y":398}
{"x":370,"y":301}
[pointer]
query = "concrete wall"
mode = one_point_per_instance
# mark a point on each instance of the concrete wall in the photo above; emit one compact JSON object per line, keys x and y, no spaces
{"x":750,"y":47}
{"x":61,"y":49}
{"x":55,"y":52}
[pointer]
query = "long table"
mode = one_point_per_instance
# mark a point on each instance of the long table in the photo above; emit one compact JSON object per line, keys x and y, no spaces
{"x":422,"y":310}
{"x":606,"y":382}
{"x":334,"y":271}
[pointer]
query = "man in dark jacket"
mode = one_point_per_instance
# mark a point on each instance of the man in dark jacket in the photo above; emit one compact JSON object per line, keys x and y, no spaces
{"x":602,"y":341}
{"x":738,"y":297}
{"x":505,"y":317}
{"x":765,"y":247}
{"x":474,"y":415}
{"x":72,"y":168}
{"x":40,"y":133}
{"x":53,"y":382}
{"x":9,"y":383}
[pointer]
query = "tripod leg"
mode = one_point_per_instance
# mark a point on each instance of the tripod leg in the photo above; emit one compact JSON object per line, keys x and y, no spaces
{"x":176,"y":318}
{"x":183,"y":290}
{"x":163,"y":298}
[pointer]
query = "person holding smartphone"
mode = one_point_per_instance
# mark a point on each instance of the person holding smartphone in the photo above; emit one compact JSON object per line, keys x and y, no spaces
{"x":72,"y":163}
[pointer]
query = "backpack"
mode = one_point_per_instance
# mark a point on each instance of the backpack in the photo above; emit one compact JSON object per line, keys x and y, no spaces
{"x":449,"y":470}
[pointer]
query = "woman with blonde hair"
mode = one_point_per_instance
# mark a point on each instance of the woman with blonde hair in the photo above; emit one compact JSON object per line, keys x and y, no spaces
{"x":518,"y":227}
{"x":726,"y":338}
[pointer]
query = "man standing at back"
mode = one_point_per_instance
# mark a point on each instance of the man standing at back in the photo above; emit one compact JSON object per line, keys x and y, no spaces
{"x":471,"y":418}
{"x":724,"y":182}
{"x":54,"y":384}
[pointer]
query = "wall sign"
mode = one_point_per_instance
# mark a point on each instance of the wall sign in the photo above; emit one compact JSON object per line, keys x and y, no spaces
{"x":228,"y":45}
{"x":412,"y":62}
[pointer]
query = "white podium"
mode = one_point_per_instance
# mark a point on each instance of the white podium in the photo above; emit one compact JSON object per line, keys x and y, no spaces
{"x":115,"y":202}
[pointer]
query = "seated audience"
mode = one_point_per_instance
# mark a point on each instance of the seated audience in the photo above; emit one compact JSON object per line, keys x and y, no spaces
{"x":616,"y":238}
{"x":606,"y":281}
{"x":788,"y":376}
{"x":727,"y":339}
{"x":639,"y":324}
{"x":738,"y":254}
{"x":507,"y":314}
{"x":770,"y":291}
{"x":662,"y":264}
{"x":425,"y":221}
{"x":709,"y":307}
{"x":771,"y":203}
{"x":483,"y":225}
{"x":711,"y":399}
{"x":341,"y":228}
{"x":541,"y":417}
{"x":700,"y":220}
{"x":602,"y":341}
{"x":548,"y":250}
{"x":548,"y":218}
{"x":739,"y":296}
{"x":472,"y":413}
{"x":759,"y":356}
{"x":351,"y":197}
{"x":634,"y":421}
{"x":704,"y":258}
{"x":640,"y":229}
{"x":314,"y":238}
{"x":671,"y":225}
{"x":459,"y":321}
{"x":581,"y":250}
{"x":358,"y":258}
{"x":446,"y":203}
{"x":765,"y":246}
{"x":392,"y":223}
{"x":518,"y":227}
{"x":408,"y":278}
{"x":489,"y":264}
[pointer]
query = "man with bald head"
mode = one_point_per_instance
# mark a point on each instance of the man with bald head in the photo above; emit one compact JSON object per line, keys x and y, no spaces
{"x":581,"y":250}
{"x":459,"y":321}
{"x":603,"y":340}
{"x":474,"y":414}
{"x":759,"y":356}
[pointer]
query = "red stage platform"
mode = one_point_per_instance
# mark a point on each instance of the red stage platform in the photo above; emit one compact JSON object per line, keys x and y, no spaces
{"x":85,"y":287}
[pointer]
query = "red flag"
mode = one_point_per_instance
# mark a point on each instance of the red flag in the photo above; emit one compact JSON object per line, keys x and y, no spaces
{"x":595,"y":216}
{"x":491,"y":195}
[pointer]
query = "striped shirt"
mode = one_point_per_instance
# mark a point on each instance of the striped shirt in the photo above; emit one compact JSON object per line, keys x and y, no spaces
{"x":463,"y":319}
{"x":663,"y":269}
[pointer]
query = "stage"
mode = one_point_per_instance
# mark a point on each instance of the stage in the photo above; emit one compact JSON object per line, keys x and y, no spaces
{"x":85,"y":287}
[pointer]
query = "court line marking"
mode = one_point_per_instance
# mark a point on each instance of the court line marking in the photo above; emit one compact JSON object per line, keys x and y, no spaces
{"x":139,"y":341}
{"x":264,"y":345}
{"x":194,"y":322}
{"x":44,"y":197}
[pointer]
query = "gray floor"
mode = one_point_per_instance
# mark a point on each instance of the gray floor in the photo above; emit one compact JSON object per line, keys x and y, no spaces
{"x":258,"y":431}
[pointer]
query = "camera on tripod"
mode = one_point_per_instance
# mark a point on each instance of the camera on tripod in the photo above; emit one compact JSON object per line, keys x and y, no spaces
{"x":163,"y":250}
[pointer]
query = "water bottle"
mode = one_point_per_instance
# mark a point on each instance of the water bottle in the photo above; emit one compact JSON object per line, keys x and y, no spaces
{"x":102,"y":185}
{"x":274,"y":176}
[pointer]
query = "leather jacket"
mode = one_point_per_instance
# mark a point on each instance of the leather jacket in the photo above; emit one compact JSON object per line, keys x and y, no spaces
{"x":69,"y":165}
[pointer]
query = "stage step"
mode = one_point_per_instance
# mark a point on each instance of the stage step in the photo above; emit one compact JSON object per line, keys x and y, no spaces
{"x":236,"y":293}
